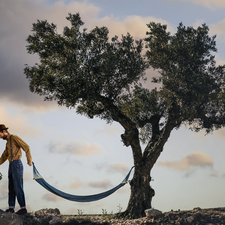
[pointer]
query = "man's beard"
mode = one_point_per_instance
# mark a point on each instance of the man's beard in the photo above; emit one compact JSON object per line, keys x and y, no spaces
{"x":4,"y":137}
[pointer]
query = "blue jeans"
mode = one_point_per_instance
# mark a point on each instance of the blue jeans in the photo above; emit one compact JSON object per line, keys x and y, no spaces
{"x":15,"y":176}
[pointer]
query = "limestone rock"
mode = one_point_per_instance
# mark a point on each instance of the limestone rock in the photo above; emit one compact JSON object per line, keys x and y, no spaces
{"x":42,"y":212}
{"x":55,"y":220}
{"x":10,"y":219}
{"x":152,"y":212}
{"x":197,"y":209}
{"x":190,"y":219}
{"x":47,"y":217}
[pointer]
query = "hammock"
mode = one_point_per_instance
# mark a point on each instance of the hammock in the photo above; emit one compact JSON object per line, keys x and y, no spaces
{"x":76,"y":198}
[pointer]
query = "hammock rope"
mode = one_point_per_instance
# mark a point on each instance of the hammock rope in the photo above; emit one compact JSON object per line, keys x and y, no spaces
{"x":77,"y":198}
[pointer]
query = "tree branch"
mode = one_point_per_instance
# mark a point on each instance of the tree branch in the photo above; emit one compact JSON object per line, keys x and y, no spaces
{"x":131,"y":135}
{"x":156,"y":144}
{"x":154,"y":120}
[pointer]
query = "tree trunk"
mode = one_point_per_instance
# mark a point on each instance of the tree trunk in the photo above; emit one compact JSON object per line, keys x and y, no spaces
{"x":141,"y":193}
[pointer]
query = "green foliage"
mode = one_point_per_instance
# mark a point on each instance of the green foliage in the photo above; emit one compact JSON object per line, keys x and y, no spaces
{"x":191,"y":81}
{"x":142,"y":106}
{"x":100,"y":77}
{"x":80,"y":212}
{"x":80,"y":67}
{"x":106,"y":216}
{"x":119,"y":208}
{"x":0,"y":176}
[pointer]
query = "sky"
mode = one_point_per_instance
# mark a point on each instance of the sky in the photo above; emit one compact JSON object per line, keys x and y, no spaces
{"x":84,"y":156}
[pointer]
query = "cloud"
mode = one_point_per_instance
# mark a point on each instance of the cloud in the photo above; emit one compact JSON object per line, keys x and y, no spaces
{"x":214,"y":174}
{"x":75,"y":148}
{"x":76,"y":184}
{"x":16,"y":24}
{"x":135,"y":25}
{"x":211,"y":4}
{"x":114,"y":168}
{"x":110,"y":130}
{"x":195,"y":159}
{"x":50,"y":197}
{"x":17,"y":123}
{"x":119,"y":167}
{"x":124,"y":190}
{"x":218,"y":29}
{"x":219,"y":133}
{"x":101,"y":184}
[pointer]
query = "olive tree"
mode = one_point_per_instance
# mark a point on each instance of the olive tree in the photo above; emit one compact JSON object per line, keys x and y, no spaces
{"x":103,"y":78}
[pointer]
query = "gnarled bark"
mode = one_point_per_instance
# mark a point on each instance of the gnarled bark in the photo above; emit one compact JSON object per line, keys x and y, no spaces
{"x":141,"y":191}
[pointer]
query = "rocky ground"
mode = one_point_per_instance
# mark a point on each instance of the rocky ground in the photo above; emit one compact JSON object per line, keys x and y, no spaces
{"x":196,"y":216}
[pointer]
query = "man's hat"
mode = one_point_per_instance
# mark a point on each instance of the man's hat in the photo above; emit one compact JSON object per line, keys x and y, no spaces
{"x":3,"y":127}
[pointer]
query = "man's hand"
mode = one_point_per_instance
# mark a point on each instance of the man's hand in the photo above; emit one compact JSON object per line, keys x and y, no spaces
{"x":30,"y":163}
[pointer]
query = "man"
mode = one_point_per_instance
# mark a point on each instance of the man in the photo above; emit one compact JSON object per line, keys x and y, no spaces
{"x":15,"y":175}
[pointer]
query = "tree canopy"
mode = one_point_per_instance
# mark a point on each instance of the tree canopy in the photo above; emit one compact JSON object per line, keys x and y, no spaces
{"x":86,"y":69}
{"x":83,"y":68}
{"x":190,"y":79}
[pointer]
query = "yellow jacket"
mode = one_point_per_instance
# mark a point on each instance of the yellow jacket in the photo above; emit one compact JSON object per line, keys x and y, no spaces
{"x":17,"y":144}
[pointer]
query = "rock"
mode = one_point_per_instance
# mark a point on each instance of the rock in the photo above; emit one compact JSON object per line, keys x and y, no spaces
{"x":42,"y":212}
{"x":47,"y":217}
{"x":55,"y":219}
{"x":190,"y":219}
{"x":152,"y":212}
{"x":179,"y":221}
{"x":197,"y":209}
{"x":10,"y":219}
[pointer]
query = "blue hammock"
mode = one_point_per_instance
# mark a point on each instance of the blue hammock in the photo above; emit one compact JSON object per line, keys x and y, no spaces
{"x":76,"y":198}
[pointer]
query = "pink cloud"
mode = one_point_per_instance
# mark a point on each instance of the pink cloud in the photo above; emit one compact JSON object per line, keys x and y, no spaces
{"x":195,"y":159}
